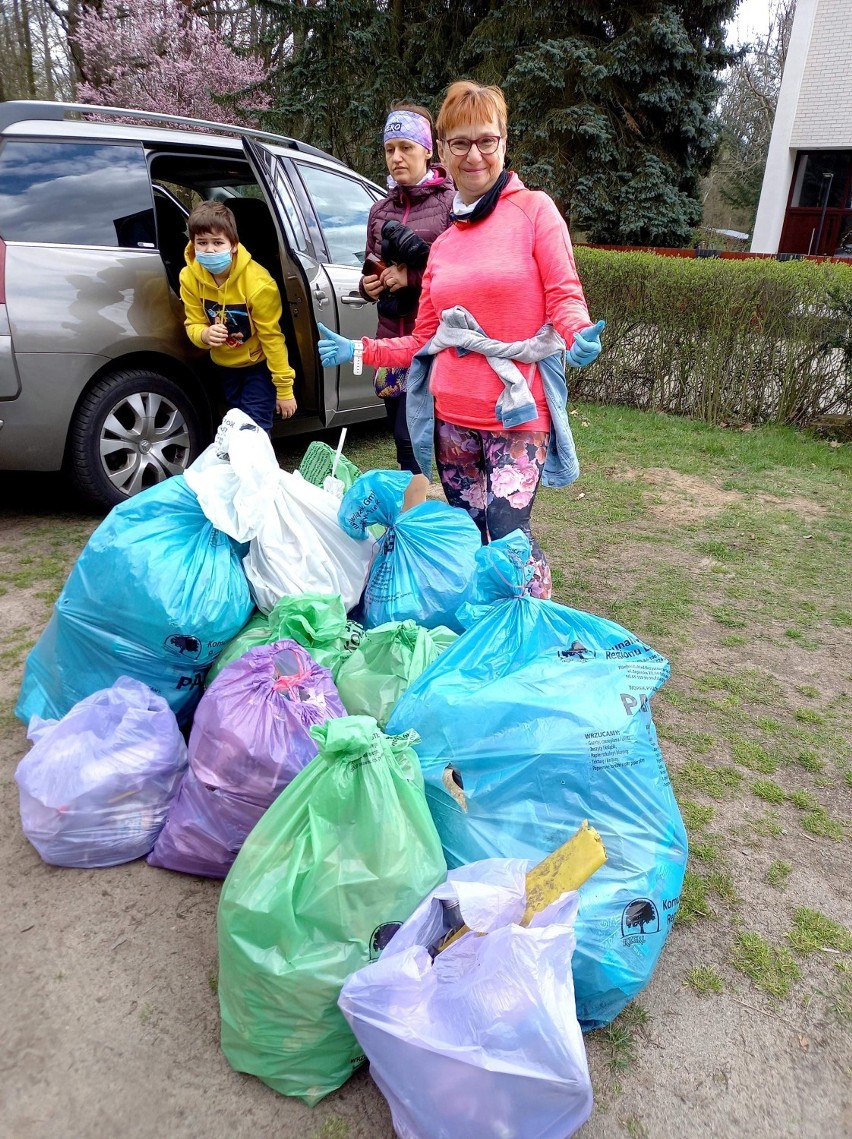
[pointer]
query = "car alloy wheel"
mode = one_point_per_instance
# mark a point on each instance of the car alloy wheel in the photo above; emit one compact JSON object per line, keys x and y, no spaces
{"x":132,"y":430}
{"x":144,"y":440}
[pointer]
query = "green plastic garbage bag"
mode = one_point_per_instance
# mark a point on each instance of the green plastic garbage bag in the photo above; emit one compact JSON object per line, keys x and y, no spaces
{"x":316,"y":621}
{"x":342,"y":857}
{"x":387,"y":661}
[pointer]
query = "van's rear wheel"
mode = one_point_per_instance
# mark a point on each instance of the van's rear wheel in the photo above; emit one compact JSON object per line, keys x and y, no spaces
{"x":134,"y":429}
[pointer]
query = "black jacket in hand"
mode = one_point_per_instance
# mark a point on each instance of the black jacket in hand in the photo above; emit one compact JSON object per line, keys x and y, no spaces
{"x":401,"y":246}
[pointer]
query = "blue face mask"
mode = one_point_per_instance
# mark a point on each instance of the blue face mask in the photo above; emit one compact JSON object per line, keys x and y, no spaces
{"x":214,"y":262}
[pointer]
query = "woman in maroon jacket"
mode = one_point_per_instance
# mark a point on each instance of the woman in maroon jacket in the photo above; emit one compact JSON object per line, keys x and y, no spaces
{"x":420,"y":196}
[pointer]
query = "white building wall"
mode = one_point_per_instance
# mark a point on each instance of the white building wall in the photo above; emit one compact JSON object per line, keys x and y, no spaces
{"x":782,"y":155}
{"x":823,"y":119}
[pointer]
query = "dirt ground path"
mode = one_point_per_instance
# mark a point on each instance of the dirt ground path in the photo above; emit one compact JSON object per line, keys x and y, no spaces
{"x":108,"y":1010}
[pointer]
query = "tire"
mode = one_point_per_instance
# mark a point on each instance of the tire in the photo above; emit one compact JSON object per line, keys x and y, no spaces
{"x":132,"y":430}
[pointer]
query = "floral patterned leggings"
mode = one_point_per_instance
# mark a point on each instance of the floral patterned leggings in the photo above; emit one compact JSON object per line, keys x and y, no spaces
{"x":494,"y":477}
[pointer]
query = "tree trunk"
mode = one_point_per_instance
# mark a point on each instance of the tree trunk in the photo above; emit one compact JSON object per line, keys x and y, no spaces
{"x":72,"y":19}
{"x":299,"y":34}
{"x":22,"y":17}
{"x":398,"y":16}
{"x":43,"y":21}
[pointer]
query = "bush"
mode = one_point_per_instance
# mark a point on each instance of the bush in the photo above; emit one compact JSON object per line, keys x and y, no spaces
{"x":739,"y":341}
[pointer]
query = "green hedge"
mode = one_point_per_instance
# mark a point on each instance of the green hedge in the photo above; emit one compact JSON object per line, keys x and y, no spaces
{"x":748,"y":341}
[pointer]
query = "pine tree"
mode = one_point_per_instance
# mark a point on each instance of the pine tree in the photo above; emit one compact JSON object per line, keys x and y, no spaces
{"x":350,"y":59}
{"x":611,"y":107}
{"x":329,"y":88}
{"x":611,"y":103}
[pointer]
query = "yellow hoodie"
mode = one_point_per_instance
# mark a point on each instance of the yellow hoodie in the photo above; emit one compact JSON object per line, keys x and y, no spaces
{"x":250,"y":303}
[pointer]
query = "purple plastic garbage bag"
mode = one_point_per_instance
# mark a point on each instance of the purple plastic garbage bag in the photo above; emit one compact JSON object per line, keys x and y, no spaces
{"x":250,"y":737}
{"x":206,"y":828}
{"x":97,"y":784}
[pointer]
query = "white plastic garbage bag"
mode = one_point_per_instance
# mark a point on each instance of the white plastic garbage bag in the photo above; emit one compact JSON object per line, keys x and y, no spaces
{"x":235,"y":476}
{"x":483,"y":1041}
{"x":296,"y":543}
{"x":96,"y":786}
{"x":301,"y":548}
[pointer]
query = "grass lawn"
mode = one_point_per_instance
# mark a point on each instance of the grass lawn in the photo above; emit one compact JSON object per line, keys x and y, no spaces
{"x":729,"y":551}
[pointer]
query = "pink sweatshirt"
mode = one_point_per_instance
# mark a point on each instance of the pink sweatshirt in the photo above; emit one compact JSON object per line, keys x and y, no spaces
{"x":513,"y":272}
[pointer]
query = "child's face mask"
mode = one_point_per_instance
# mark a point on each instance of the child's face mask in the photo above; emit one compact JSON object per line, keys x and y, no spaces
{"x":214,"y":262}
{"x":213,"y":251}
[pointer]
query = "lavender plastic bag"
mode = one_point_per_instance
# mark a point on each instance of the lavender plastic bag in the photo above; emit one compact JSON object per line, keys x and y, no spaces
{"x":97,"y":784}
{"x":250,"y":737}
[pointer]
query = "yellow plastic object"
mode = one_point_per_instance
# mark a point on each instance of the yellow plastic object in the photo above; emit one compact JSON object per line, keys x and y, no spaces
{"x":567,"y":868}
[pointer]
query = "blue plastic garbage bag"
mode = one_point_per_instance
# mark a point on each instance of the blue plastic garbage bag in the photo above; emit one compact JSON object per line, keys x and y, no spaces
{"x":542,"y":714}
{"x":156,"y":594}
{"x":96,"y":786}
{"x":425,"y":559}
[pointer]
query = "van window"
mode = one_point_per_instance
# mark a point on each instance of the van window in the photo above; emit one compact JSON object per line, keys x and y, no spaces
{"x":343,"y":206}
{"x":295,"y":229}
{"x":75,"y":193}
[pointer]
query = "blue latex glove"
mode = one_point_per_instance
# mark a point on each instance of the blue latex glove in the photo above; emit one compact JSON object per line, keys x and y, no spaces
{"x":334,"y":349}
{"x":587,"y":345}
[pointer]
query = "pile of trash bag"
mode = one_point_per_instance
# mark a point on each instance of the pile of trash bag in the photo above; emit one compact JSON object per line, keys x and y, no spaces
{"x":445,"y":1065}
{"x":537,"y":717}
{"x":384,"y":699}
{"x":339,"y":861}
{"x":96,"y":786}
{"x":250,"y":737}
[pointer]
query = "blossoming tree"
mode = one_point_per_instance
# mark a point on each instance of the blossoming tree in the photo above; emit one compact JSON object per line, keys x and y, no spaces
{"x":160,"y":56}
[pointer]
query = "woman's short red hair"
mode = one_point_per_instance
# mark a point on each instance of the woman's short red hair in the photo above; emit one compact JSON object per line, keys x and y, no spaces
{"x":467,"y":103}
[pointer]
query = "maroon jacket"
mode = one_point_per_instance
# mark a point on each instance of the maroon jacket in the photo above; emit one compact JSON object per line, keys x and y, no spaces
{"x":426,"y":210}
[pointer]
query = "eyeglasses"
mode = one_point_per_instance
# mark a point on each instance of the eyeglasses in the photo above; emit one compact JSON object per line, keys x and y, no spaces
{"x":487,"y":144}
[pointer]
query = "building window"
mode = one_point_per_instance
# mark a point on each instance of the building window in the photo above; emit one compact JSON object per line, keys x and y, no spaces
{"x":819,"y":216}
{"x":820,"y":173}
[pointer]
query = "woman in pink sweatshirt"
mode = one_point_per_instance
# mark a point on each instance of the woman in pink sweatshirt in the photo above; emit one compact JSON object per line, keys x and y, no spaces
{"x":507,"y":260}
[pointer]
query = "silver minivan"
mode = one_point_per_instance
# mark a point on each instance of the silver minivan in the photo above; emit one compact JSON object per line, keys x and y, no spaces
{"x":97,"y":376}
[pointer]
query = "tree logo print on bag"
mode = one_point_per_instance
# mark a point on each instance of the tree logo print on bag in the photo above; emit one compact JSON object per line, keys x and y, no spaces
{"x":640,"y":917}
{"x":381,"y":936}
{"x":184,"y":645}
{"x":577,"y":651}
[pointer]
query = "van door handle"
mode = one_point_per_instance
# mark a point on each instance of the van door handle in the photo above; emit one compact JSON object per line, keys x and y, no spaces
{"x":320,"y":294}
{"x":353,"y":299}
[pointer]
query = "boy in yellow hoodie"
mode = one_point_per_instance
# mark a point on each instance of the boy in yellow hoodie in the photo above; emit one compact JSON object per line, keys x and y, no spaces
{"x":233,"y":307}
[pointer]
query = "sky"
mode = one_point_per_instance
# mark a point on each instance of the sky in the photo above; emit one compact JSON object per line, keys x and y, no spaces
{"x":752,"y":18}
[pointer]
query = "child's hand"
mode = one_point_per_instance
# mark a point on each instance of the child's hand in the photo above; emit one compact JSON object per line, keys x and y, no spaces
{"x":285,"y":408}
{"x":215,"y":335}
